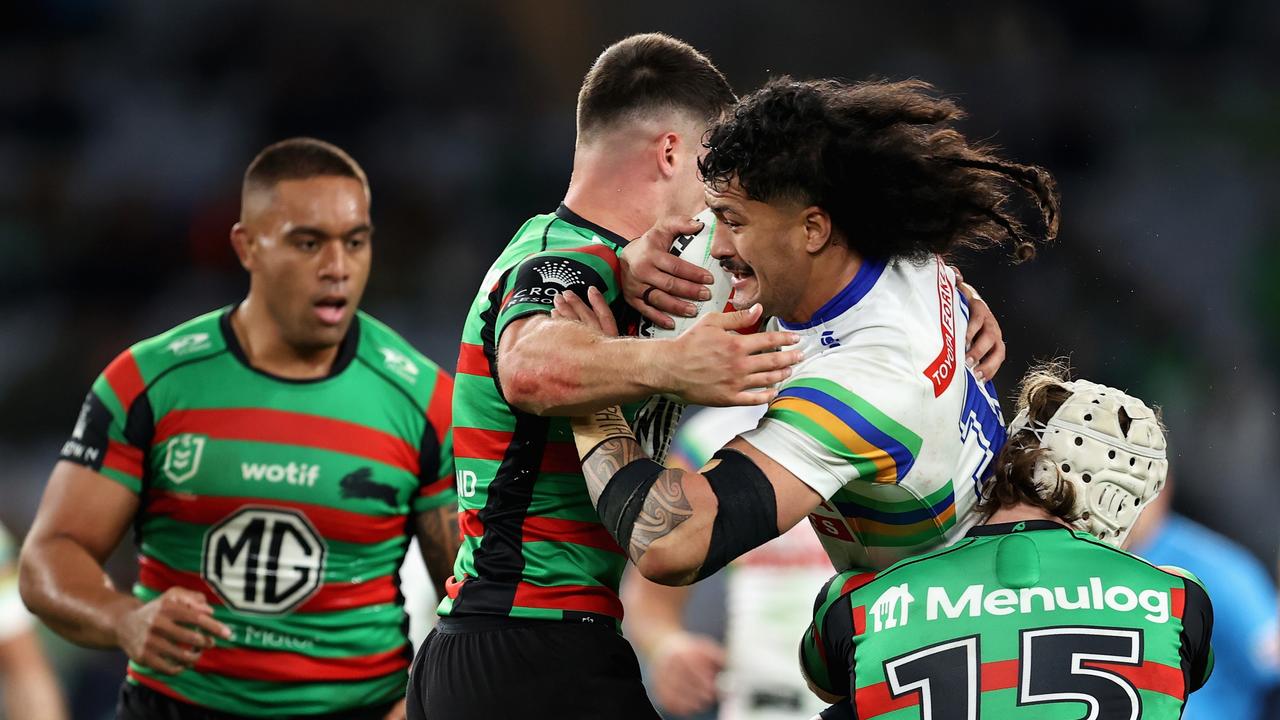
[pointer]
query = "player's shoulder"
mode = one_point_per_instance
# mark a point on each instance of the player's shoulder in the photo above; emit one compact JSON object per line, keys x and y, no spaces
{"x":197,"y":339}
{"x":1137,"y":563}
{"x":396,"y":361}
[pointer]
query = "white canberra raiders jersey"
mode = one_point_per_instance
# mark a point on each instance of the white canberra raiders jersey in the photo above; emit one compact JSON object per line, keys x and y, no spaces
{"x":883,"y":419}
{"x":765,"y":593}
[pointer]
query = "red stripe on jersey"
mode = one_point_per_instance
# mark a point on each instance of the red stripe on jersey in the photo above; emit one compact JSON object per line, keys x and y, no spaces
{"x":125,"y":379}
{"x":157,"y":685}
{"x":1152,"y":676}
{"x":124,"y":458}
{"x":591,"y":534}
{"x":332,"y":524}
{"x":1178,"y":599}
{"x":278,"y":666}
{"x":469,"y":523}
{"x":582,"y":598}
{"x":480,"y":444}
{"x":875,"y":700}
{"x":609,"y":256}
{"x":290,"y":428}
{"x":452,"y":586}
{"x":859,"y":620}
{"x":856,"y":581}
{"x":440,"y":408}
{"x":436,"y":487}
{"x":999,"y":675}
{"x":473,"y":361}
{"x":158,"y":577}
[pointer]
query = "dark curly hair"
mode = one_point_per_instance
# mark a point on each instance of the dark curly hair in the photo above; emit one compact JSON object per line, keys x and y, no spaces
{"x":883,"y":159}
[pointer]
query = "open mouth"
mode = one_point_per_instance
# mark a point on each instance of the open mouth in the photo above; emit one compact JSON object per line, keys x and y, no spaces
{"x":741,"y":273}
{"x":330,"y":309}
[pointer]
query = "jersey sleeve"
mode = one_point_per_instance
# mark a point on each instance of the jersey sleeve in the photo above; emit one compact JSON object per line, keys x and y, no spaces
{"x":532,"y":286}
{"x":115,"y":425}
{"x":830,"y":434}
{"x":826,"y":650}
{"x":1197,"y":630}
{"x":435,"y":453}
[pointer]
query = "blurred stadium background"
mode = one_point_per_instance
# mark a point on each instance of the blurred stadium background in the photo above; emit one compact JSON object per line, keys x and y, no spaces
{"x":125,"y":126}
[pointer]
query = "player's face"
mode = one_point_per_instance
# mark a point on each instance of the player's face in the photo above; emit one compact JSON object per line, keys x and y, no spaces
{"x":763,"y":246}
{"x":309,"y":257}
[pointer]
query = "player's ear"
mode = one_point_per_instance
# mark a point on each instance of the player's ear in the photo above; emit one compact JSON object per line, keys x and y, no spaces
{"x":242,"y":243}
{"x":668,"y":149}
{"x":817,"y":228}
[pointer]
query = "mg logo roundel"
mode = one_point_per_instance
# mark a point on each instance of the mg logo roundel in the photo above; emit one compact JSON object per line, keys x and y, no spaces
{"x":264,"y":560}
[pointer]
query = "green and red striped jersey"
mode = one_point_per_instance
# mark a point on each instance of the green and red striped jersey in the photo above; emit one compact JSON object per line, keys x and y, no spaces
{"x":286,"y":502}
{"x":1021,"y":620}
{"x":532,"y":544}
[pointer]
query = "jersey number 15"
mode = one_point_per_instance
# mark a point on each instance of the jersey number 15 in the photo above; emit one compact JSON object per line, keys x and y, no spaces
{"x":1051,"y":669}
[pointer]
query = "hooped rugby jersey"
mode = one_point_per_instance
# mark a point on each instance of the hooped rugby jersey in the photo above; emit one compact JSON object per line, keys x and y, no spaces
{"x":286,"y":503}
{"x":532,"y":543}
{"x":1027,"y":620}
{"x":765,"y":593}
{"x":883,"y":419}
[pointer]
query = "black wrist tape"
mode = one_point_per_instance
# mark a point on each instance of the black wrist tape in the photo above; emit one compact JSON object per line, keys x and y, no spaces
{"x":623,"y":498}
{"x":747,"y":516}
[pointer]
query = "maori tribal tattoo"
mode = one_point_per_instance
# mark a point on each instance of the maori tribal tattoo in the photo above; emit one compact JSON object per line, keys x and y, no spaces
{"x":665,"y":507}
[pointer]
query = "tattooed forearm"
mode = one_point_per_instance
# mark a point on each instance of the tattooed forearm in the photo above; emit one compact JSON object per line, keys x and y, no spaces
{"x":438,"y":541}
{"x":610,"y":422}
{"x":606,"y":459}
{"x":665,"y":508}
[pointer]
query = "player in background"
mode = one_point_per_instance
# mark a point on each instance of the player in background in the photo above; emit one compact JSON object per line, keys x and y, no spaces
{"x":834,"y":202}
{"x":1246,"y":640}
{"x":272,"y":458}
{"x":27,"y":682}
{"x":1036,"y":613}
{"x":753,"y":674}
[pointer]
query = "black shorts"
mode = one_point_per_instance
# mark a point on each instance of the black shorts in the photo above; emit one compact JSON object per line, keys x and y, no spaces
{"x":138,"y":702}
{"x":480,"y":668}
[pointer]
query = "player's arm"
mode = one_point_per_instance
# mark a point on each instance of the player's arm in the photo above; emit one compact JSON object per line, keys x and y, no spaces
{"x":435,"y":507}
{"x":1197,"y":630}
{"x":683,"y":666}
{"x":984,"y":340}
{"x":81,"y":519}
{"x":553,"y":366}
{"x":29,"y":687}
{"x":438,"y":541}
{"x":826,"y":649}
{"x":679,"y":526}
{"x":27,"y":683}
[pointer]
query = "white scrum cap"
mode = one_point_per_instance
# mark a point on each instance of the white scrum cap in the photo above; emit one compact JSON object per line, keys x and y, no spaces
{"x":1114,"y":473}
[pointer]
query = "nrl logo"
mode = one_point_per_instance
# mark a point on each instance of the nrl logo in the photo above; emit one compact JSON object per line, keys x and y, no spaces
{"x":189,"y":343}
{"x":182,"y":456}
{"x":400,"y":364}
{"x":559,"y":272}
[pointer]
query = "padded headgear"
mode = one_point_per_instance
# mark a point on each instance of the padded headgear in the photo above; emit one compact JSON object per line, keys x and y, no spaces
{"x":1116,"y":467}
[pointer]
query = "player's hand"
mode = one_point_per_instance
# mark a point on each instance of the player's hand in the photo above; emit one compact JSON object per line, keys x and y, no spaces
{"x":397,"y":712}
{"x":169,"y":633}
{"x":712,"y":364}
{"x":984,"y":341}
{"x":684,"y":668}
{"x":597,"y":315}
{"x":655,"y":282}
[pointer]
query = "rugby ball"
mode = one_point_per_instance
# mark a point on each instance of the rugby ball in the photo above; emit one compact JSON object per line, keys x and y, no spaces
{"x":697,"y":250}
